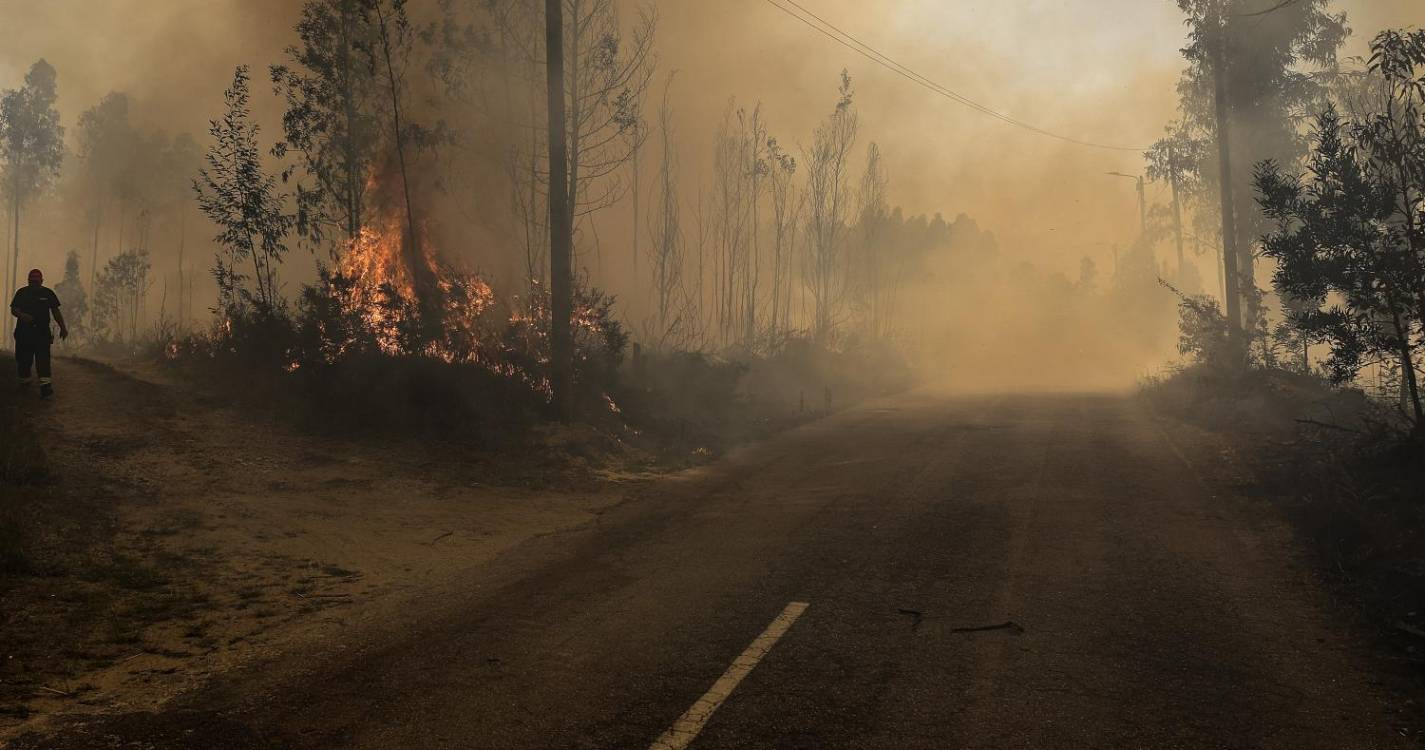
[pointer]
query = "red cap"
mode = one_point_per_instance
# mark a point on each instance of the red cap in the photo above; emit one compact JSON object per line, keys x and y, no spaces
{"x":35,"y":275}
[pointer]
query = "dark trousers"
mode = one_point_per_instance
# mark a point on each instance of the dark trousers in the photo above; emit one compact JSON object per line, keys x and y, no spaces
{"x":32,"y":350}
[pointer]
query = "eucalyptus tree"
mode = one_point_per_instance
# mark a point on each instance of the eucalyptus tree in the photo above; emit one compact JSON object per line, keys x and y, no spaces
{"x":106,"y":142}
{"x":1349,"y":235}
{"x":31,"y":147}
{"x":1248,"y":82}
{"x":1177,"y":159}
{"x":331,"y":91}
{"x":242,"y":198}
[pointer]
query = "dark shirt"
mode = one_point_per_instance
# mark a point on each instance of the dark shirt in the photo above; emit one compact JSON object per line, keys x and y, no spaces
{"x":38,"y":301}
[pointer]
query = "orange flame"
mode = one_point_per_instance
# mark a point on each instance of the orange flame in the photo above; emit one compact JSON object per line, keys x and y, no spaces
{"x":385,"y":298}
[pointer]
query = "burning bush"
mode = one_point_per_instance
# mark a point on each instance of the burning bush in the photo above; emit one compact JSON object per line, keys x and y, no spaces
{"x":443,"y":354}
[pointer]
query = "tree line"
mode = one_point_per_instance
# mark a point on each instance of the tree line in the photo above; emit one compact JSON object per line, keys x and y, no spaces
{"x":1306,"y":173}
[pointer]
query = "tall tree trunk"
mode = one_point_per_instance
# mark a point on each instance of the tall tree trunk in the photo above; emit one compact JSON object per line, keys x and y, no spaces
{"x":636,"y":147}
{"x":576,"y":116}
{"x":353,"y":184}
{"x":15,"y":252}
{"x":258,"y":278}
{"x":1177,"y":211}
{"x":182,"y":236}
{"x":753,"y":256}
{"x":94,"y":251}
{"x":422,"y":277}
{"x":9,"y":246}
{"x":1224,"y":161}
{"x":1408,"y":375}
{"x":561,"y":220}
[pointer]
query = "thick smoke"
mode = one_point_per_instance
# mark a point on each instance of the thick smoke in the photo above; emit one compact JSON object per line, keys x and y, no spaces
{"x":1101,"y":71}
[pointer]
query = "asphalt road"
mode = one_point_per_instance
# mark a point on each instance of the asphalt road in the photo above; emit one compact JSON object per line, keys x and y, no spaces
{"x":1149,"y":609}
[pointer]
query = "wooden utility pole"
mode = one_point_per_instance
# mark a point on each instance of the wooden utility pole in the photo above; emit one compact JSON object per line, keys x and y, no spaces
{"x":1142,"y":208}
{"x":561,"y":225}
{"x":1224,"y":163}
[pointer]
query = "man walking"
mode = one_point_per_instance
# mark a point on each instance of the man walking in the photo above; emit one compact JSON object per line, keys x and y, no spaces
{"x":32,"y":307}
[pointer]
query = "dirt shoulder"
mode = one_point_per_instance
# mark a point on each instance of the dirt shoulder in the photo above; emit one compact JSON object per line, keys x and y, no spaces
{"x":174,"y":538}
{"x":1355,"y":537}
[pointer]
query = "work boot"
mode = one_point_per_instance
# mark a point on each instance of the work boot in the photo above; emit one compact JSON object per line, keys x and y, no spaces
{"x":24,"y":385}
{"x":46,"y":390}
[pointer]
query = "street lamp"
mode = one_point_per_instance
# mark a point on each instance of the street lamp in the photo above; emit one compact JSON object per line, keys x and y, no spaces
{"x":1142,"y":202}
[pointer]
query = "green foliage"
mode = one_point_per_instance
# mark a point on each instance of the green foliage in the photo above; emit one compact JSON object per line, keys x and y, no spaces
{"x":31,"y":138}
{"x":1202,"y":331}
{"x":346,"y":346}
{"x":241,"y":198}
{"x":106,"y":140}
{"x":1350,"y":234}
{"x":1273,"y":61}
{"x":118,"y":296}
{"x":70,"y":291}
{"x":332,"y":97}
{"x":1178,"y":157}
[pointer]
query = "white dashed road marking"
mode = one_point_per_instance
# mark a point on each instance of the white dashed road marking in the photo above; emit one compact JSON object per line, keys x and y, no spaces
{"x":687,"y":727}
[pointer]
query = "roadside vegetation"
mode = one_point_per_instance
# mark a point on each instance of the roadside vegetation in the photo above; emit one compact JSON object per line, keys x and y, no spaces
{"x":1321,"y":397}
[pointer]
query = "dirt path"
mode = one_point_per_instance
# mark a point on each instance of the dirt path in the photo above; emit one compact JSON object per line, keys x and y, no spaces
{"x":227,"y":539}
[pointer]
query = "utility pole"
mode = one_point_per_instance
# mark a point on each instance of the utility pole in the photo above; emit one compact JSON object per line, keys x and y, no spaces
{"x":561,"y":230}
{"x":1142,"y":209}
{"x":1224,"y":164}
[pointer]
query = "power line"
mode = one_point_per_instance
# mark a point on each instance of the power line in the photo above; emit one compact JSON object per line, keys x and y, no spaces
{"x":831,"y":31}
{"x":1272,"y":9}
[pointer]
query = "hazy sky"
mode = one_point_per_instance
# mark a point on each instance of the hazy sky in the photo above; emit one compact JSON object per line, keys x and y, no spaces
{"x":1100,"y":70}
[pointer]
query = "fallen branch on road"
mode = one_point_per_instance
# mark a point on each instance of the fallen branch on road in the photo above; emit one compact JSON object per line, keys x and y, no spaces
{"x":1009,"y":625}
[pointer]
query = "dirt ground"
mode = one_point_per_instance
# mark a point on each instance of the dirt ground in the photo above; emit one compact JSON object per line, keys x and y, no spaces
{"x":190,"y":537}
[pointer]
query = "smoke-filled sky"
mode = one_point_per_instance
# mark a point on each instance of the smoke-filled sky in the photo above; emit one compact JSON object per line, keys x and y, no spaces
{"x":1099,"y":70}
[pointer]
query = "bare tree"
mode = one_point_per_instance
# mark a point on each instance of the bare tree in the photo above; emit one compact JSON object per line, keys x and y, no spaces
{"x":828,"y":175}
{"x":787,"y":206}
{"x":105,"y":136}
{"x":666,"y":233}
{"x":728,"y":208}
{"x":875,"y":283}
{"x":609,"y":73}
